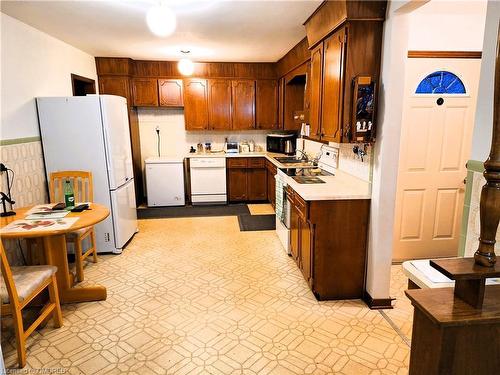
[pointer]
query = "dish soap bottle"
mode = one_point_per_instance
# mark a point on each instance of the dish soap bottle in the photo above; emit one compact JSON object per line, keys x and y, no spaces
{"x":69,"y":196}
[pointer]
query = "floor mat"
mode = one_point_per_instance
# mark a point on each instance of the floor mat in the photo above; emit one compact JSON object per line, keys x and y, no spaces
{"x":257,"y":222}
{"x":192,"y":211}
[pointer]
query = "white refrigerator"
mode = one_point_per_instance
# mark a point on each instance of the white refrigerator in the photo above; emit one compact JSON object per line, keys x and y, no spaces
{"x":91,"y":133}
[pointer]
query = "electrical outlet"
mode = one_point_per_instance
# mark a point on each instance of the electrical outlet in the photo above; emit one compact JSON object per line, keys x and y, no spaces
{"x":106,"y":237}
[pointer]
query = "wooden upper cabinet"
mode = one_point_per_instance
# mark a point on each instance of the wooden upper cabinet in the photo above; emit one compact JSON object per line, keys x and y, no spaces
{"x":196,"y":104}
{"x":115,"y":86}
{"x":266,"y":104}
{"x":315,"y":91}
{"x":219,"y":104}
{"x":145,"y":92}
{"x":243,"y":110}
{"x":170,"y":93}
{"x":333,"y":86}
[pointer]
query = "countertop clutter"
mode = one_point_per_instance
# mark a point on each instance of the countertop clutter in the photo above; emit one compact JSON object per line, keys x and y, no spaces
{"x":338,"y":187}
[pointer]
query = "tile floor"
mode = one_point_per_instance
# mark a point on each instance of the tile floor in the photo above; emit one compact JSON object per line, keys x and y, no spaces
{"x":197,"y":296}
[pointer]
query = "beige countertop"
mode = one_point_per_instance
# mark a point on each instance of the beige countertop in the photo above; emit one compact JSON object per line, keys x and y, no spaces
{"x":340,"y":186}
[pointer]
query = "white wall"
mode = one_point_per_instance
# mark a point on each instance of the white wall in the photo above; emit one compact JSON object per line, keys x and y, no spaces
{"x":386,"y":152}
{"x":431,"y":25}
{"x":481,"y":139}
{"x":34,"y":64}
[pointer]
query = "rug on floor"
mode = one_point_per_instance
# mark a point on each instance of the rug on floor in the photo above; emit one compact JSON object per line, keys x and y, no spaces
{"x":257,"y":222}
{"x":192,"y":211}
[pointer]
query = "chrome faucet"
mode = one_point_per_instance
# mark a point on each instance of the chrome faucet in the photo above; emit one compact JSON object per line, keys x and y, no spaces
{"x":303,"y":156}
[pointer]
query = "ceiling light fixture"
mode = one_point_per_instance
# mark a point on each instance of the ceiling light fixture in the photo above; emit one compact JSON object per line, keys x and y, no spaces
{"x":161,"y":20}
{"x":185,"y":65}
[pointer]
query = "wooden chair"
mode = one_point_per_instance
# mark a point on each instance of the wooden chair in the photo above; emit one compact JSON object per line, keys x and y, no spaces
{"x":18,"y":288}
{"x":83,"y":191}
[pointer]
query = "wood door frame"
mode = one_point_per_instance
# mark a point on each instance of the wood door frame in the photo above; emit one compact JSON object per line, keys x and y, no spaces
{"x":76,"y":78}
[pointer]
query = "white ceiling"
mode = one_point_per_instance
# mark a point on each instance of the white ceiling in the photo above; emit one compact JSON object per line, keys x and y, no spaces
{"x":214,"y":30}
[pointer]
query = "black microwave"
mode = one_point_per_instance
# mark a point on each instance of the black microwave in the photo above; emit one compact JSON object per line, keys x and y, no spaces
{"x":278,"y":143}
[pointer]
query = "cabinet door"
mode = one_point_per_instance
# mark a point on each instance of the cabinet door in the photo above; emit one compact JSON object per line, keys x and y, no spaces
{"x":145,"y":92}
{"x":257,"y":184}
{"x":243,"y":94}
{"x":115,"y":86}
{"x":305,"y":249}
{"x":219,"y":104}
{"x":266,"y":104}
{"x":195,"y":104}
{"x":294,"y":233}
{"x":333,"y":87}
{"x":281,"y":103}
{"x":170,"y":92}
{"x":237,"y":184}
{"x":315,"y":91}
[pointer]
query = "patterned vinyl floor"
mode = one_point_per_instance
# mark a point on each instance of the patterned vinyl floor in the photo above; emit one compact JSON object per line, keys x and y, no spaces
{"x":197,"y":296}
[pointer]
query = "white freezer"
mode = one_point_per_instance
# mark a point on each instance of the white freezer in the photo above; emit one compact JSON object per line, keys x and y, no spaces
{"x":164,"y":181}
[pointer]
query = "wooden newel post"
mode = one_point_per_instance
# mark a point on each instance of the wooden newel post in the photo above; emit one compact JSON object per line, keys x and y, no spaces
{"x":490,"y":194}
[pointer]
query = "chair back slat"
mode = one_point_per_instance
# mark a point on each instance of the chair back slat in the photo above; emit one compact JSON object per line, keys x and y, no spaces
{"x":80,"y":180}
{"x":8,"y":279}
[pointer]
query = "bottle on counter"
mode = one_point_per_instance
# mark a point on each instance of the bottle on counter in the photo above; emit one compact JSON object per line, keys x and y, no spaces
{"x":69,"y":196}
{"x":251,"y":146}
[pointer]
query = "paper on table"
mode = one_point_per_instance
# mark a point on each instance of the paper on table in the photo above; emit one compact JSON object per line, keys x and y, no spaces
{"x":39,"y":225}
{"x":46,"y":215}
{"x":430,"y":272}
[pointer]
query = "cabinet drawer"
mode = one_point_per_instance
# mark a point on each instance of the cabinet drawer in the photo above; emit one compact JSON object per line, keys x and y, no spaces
{"x":301,"y":205}
{"x":256,"y":162}
{"x":237,"y":162}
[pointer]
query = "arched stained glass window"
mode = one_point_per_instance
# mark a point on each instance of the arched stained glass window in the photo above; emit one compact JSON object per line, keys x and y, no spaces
{"x":441,"y":82}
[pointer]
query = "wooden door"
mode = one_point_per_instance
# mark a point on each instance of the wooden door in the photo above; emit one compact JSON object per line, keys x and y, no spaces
{"x":281,"y":103}
{"x":333,"y":86}
{"x":243,"y":102}
{"x":170,"y":92}
{"x":145,"y":92}
{"x":257,"y":184}
{"x":436,"y":137}
{"x":266,"y":104}
{"x":315,"y":87}
{"x":115,"y":86}
{"x":237,"y":184}
{"x":219,"y":104}
{"x":195,"y":104}
{"x":305,"y":249}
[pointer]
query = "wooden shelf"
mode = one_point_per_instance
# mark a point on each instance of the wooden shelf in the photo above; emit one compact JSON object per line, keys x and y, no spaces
{"x":465,"y":269}
{"x":470,"y":278}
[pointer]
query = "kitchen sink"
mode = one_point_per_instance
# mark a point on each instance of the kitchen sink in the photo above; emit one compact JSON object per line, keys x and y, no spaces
{"x":308,"y":180}
{"x":290,"y":160}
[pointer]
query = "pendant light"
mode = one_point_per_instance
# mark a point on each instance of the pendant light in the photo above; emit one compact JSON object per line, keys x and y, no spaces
{"x":161,"y":20}
{"x":185,"y":65}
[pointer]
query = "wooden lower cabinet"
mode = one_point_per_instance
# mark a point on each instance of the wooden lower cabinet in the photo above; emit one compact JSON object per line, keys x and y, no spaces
{"x":237,"y":181}
{"x":246,"y":179}
{"x":328,"y":241}
{"x":257,"y":184}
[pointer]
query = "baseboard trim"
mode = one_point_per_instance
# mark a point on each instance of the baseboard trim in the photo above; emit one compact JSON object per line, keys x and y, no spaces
{"x":377,"y":303}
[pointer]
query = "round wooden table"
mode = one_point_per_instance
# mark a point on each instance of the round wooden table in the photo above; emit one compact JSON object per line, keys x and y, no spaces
{"x":54,"y":245}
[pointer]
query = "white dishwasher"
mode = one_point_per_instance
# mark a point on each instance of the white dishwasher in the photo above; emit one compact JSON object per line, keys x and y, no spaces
{"x":208,"y":180}
{"x":164,"y":181}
